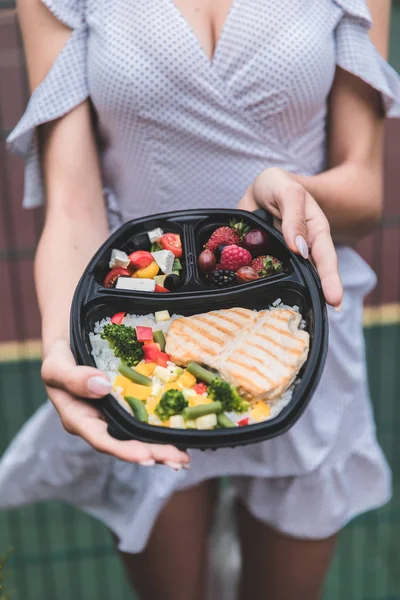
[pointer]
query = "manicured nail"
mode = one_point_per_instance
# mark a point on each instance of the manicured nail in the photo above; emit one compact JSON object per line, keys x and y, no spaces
{"x":302,"y":246}
{"x":174,"y":465}
{"x":148,"y":463}
{"x":99,"y":385}
{"x":339,"y":308}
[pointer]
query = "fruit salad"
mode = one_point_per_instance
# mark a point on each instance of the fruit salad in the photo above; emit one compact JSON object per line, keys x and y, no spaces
{"x":236,"y":254}
{"x":154,"y":266}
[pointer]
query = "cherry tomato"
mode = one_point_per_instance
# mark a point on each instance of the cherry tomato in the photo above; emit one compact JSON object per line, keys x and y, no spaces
{"x":172,"y":242}
{"x":243,"y":422}
{"x":113,"y":275}
{"x":200,"y":388}
{"x":140,"y":259}
{"x":118,"y":318}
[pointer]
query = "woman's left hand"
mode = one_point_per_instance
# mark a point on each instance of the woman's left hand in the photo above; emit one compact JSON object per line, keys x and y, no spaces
{"x":304,"y":225}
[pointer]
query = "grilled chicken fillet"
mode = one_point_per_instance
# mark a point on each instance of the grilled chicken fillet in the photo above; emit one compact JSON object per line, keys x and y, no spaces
{"x":259,"y":352}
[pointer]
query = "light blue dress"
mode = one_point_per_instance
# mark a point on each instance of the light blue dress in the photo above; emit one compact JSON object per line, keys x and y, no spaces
{"x":177,"y":130}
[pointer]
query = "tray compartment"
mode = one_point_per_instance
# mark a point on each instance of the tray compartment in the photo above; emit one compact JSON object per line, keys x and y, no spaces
{"x":203,"y":230}
{"x":126,"y":242}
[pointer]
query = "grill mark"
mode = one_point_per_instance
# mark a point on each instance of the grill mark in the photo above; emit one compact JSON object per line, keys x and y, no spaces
{"x":219,"y":328}
{"x":283,"y":332}
{"x":291,"y":350}
{"x":231,"y":321}
{"x":281,"y":362}
{"x":249,"y":383}
{"x":204,"y":334}
{"x":255,"y":368}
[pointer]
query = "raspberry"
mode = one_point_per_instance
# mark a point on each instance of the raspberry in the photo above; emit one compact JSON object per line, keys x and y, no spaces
{"x":266,"y":265}
{"x":222,"y":235}
{"x":233,"y":257}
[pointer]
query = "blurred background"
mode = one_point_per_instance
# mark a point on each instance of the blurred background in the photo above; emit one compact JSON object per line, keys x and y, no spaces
{"x":61,"y":553}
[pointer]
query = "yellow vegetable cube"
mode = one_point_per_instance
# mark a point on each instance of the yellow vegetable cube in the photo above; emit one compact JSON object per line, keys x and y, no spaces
{"x":121,"y":382}
{"x":198,"y":400}
{"x":141,"y":392}
{"x":148,"y":272}
{"x":171,"y":386}
{"x":186,"y":380}
{"x":146,"y":369}
{"x":260,"y":411}
{"x":151,"y":404}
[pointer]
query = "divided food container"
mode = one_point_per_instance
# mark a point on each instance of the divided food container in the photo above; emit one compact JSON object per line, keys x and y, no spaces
{"x":298,"y":285}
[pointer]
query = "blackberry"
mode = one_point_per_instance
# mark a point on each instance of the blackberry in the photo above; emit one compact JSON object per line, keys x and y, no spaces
{"x":223,"y":278}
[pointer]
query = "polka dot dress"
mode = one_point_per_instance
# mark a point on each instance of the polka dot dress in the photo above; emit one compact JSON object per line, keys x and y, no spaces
{"x":178,"y":130}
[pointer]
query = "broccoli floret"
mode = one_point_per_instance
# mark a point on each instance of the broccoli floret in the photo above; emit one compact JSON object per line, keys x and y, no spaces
{"x":172,"y":403}
{"x":123,"y":341}
{"x":220,"y":390}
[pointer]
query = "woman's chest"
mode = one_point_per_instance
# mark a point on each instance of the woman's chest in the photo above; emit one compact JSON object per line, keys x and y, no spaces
{"x":271,"y":59}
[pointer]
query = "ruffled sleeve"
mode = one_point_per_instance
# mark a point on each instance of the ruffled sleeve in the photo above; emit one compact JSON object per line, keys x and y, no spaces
{"x":64,"y":88}
{"x":356,"y":53}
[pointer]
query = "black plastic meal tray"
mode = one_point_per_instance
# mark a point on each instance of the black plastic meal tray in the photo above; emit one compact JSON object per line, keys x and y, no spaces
{"x":298,"y":285}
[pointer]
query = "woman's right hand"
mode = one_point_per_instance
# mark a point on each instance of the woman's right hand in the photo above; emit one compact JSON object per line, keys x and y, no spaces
{"x":67,"y":384}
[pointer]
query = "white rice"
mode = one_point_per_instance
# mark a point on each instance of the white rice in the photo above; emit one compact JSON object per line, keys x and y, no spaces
{"x":106,"y":361}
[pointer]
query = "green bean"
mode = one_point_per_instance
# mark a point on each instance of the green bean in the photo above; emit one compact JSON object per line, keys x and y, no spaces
{"x":138,"y":408}
{"x":223,"y":421}
{"x":194,"y":412}
{"x":200,"y":372}
{"x":159,"y":338}
{"x":134,"y":375}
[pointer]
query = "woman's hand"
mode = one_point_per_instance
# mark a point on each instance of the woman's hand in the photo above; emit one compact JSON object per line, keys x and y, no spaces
{"x":66,"y":383}
{"x":304,"y":225}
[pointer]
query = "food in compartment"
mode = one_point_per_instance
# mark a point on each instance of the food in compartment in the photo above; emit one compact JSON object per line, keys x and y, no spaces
{"x":236,"y":254}
{"x":221,"y":369}
{"x":154,"y":263}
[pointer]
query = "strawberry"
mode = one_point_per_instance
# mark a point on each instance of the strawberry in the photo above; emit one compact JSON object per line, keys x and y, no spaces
{"x":233,"y":257}
{"x":222,"y":235}
{"x":266,"y":265}
{"x":227,"y":235}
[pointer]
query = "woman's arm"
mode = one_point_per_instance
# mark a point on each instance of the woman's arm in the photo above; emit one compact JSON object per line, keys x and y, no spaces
{"x":75,"y":226}
{"x":350,"y":191}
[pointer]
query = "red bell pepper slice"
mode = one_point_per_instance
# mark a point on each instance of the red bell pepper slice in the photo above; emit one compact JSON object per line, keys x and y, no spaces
{"x":118,"y":318}
{"x":200,"y":388}
{"x":160,"y":288}
{"x":162,"y":359}
{"x":144,"y":334}
{"x":243,"y":422}
{"x":150,"y":351}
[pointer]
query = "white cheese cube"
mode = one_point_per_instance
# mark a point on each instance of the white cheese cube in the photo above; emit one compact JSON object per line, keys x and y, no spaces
{"x":165,"y":260}
{"x":155,"y":234}
{"x":135,"y":284}
{"x":206,"y":422}
{"x":163,"y":374}
{"x":118,"y":259}
{"x":162,"y":315}
{"x":187,"y":393}
{"x":177,"y":422}
{"x":157,"y":388}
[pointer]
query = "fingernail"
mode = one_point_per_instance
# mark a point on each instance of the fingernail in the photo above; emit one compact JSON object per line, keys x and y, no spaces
{"x":302,"y":246}
{"x":147,"y":463}
{"x":186,"y":466}
{"x":99,"y":385}
{"x":339,"y":308}
{"x":174,"y":465}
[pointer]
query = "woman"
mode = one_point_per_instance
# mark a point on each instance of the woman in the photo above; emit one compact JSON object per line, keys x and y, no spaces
{"x":196,"y":104}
